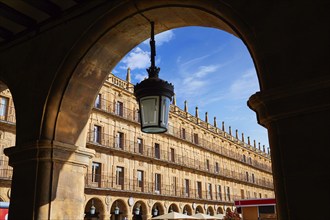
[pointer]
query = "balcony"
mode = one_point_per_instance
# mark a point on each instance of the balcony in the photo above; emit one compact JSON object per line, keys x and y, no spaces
{"x":7,"y":114}
{"x":108,"y":182}
{"x":132,"y":115}
{"x":6,"y":172}
{"x":167,"y":157}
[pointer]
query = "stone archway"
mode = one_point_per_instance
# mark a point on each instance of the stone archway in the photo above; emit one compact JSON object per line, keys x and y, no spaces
{"x":220,"y":210}
{"x":71,"y":79}
{"x":54,"y":126}
{"x":188,"y":209}
{"x":157,"y":209}
{"x":199,"y":209}
{"x":173,"y":208}
{"x":140,"y":210}
{"x":94,"y":208}
{"x":118,"y":210}
{"x":210,"y":210}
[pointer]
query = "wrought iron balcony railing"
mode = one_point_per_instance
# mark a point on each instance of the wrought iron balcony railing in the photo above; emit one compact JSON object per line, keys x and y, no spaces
{"x":7,"y":113}
{"x":196,"y":163}
{"x":133,"y":185}
{"x":132,"y":115}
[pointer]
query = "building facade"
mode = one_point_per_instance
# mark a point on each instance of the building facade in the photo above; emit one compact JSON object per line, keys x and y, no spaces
{"x":193,"y":167}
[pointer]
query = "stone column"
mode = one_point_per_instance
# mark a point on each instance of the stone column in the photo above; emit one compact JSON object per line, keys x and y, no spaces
{"x":146,"y":216}
{"x":298,"y":122}
{"x":48,"y":180}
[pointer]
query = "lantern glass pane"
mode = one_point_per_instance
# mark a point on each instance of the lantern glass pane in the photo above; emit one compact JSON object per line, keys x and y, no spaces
{"x":149,"y":110}
{"x":165,"y":107}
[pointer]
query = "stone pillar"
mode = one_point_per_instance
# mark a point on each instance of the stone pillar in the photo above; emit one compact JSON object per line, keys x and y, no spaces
{"x":48,"y":180}
{"x":298,"y":119}
{"x":146,"y":216}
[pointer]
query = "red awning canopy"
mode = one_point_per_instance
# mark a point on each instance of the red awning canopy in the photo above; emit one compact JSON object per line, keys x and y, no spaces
{"x":255,"y":202}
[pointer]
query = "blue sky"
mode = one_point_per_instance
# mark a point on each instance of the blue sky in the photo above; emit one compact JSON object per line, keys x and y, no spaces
{"x":209,"y":68}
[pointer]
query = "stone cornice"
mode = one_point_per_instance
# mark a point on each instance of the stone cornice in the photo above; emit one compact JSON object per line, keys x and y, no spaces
{"x":290,"y":101}
{"x":49,"y":151}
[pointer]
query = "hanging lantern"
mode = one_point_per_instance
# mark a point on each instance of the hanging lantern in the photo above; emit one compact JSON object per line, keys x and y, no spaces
{"x":154,"y":96}
{"x":116,"y":209}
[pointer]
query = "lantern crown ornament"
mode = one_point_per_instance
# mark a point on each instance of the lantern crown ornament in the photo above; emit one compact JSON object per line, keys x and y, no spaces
{"x":154,"y":96}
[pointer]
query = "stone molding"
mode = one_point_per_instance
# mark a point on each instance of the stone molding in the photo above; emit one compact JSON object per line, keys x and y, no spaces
{"x":49,"y":151}
{"x":291,"y":100}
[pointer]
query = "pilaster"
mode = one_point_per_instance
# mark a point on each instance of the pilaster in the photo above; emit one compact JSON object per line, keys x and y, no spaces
{"x":53,"y":176}
{"x":297,"y":118}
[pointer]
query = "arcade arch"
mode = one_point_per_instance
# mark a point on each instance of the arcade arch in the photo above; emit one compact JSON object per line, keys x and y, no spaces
{"x":92,"y":42}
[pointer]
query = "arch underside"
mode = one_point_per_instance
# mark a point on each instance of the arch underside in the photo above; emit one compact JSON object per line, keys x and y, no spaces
{"x":105,"y":44}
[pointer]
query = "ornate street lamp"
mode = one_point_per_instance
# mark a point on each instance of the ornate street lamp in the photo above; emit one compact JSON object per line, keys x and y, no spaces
{"x":154,"y":96}
{"x":92,"y":209}
{"x":155,"y":211}
{"x":137,"y":211}
{"x":116,"y":209}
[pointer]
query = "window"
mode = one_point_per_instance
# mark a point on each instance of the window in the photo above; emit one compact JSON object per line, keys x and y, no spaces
{"x":172,"y":155}
{"x":260,"y":196}
{"x":216,"y":167}
{"x":228,"y":193}
{"x":96,"y":172}
{"x":209,"y":191}
{"x":140,"y":145}
{"x":250,"y":160}
{"x":120,"y":108}
{"x":247,"y":176}
{"x":174,"y":185}
{"x":157,"y":151}
{"x":183,"y":133}
{"x":252,"y":177}
{"x":120,"y":176}
{"x":195,"y":138}
{"x":255,"y":195}
{"x":244,"y":158}
{"x":219,"y":192}
{"x":248,"y":194}
{"x":199,"y":189}
{"x":207,"y":165}
{"x":98,"y":101}
{"x":186,"y":187}
{"x":3,"y":107}
{"x":157,"y":183}
{"x":140,"y":178}
{"x":242,"y":194}
{"x":97,"y":134}
{"x":120,"y":140}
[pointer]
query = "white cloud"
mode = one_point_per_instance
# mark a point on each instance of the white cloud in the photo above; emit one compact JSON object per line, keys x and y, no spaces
{"x":137,"y":59}
{"x":162,"y":38}
{"x":244,"y":86}
{"x":139,"y":77}
{"x":195,"y":83}
{"x":204,"y":70}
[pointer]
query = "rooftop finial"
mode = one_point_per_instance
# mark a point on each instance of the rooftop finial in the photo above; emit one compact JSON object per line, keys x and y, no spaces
{"x":236,"y":133}
{"x":185,"y":106}
{"x":128,"y":75}
{"x":242,"y":137}
{"x":223,"y":126}
{"x":215,"y":121}
{"x":174,"y":99}
{"x":254,"y":144}
{"x":249,"y":141}
{"x":229,"y":130}
{"x":196,"y":112}
{"x":206,"y":117}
